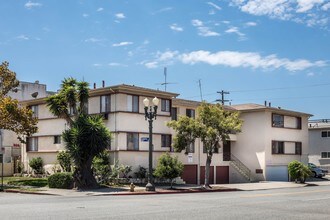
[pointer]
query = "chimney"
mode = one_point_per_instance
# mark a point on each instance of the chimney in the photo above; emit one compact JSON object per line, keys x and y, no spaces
{"x":94,"y":86}
{"x":269,"y":104}
{"x":36,"y":82}
{"x":266,"y":103}
{"x":103,"y":83}
{"x":279,"y":107}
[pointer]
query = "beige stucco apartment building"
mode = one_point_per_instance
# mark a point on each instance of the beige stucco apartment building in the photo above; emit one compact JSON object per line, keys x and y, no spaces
{"x":270,"y":137}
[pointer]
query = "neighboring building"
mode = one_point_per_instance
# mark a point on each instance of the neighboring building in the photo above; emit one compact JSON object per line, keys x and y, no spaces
{"x":270,"y":137}
{"x":319,"y":142}
{"x":10,"y":147}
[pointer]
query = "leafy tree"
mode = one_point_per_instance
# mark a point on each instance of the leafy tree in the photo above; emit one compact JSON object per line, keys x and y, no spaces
{"x":168,"y":167}
{"x":12,"y":116}
{"x":64,"y":159}
{"x":87,"y":136}
{"x":298,"y":171}
{"x":212,"y":125}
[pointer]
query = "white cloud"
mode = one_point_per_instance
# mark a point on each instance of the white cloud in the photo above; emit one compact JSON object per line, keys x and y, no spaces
{"x":93,"y":40}
{"x":175,"y":27}
{"x":206,"y":32}
{"x":306,"y":5}
{"x":197,"y":23}
{"x":310,"y":74}
{"x":120,"y":16}
{"x":214,"y":5}
{"x":85,"y":15}
{"x":22,"y":37}
{"x":247,"y":59}
{"x":124,"y":43}
{"x":97,"y":65}
{"x":251,"y":24}
{"x":151,"y":65}
{"x":203,"y":30}
{"x":326,"y":6}
{"x":235,"y":30}
{"x":30,"y":5}
{"x":309,"y":12}
{"x":116,"y":64}
{"x":100,"y":9}
{"x":163,"y":10}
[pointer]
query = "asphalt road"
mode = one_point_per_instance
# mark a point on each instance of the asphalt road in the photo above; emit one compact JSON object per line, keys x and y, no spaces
{"x":294,"y":203}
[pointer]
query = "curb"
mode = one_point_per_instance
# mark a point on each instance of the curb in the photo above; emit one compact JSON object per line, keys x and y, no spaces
{"x":28,"y":192}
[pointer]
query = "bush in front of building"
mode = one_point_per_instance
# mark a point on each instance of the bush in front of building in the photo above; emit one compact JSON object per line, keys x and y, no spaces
{"x":298,"y":171}
{"x":168,"y":167}
{"x":61,"y":181}
{"x":64,"y":160}
{"x":37,"y":165}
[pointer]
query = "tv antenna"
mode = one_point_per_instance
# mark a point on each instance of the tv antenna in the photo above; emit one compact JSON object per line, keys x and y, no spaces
{"x":165,"y":83}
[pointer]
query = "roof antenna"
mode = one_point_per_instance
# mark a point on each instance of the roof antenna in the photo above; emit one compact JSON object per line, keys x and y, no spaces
{"x":165,"y":83}
{"x":200,"y":89}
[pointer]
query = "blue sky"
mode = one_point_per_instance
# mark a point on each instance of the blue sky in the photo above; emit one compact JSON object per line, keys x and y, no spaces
{"x":274,"y":50}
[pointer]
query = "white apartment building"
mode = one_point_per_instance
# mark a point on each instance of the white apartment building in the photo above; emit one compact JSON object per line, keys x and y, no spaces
{"x":270,"y":137}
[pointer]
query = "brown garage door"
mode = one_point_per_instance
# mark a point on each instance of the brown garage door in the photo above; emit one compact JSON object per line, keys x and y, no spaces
{"x":190,"y":174}
{"x":222,"y":175}
{"x":211,"y":177}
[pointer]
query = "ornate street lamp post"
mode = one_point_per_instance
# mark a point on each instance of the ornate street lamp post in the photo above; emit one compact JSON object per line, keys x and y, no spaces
{"x":150,"y":112}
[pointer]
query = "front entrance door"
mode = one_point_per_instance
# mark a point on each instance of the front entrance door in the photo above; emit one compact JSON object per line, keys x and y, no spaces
{"x":226,"y":151}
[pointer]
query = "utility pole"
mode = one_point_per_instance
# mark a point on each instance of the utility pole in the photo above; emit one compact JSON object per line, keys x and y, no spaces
{"x":223,"y":100}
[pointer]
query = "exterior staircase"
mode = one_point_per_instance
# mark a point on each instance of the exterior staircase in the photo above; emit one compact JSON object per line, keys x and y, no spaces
{"x":241,"y":168}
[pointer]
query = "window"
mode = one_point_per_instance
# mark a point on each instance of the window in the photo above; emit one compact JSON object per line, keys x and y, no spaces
{"x":298,"y":122}
{"x":277,"y":147}
{"x":325,"y":134}
{"x":191,"y":148}
{"x":165,"y":105}
{"x":174,"y":114}
{"x":278,"y":121}
{"x":298,"y":148}
{"x":166,"y":140}
{"x":32,"y":144}
{"x":34,"y":109}
{"x":133,"y":103}
{"x":325,"y":155}
{"x":57,"y":139}
{"x":105,"y":103}
{"x":72,"y":110}
{"x":132,"y":141}
{"x":190,"y":113}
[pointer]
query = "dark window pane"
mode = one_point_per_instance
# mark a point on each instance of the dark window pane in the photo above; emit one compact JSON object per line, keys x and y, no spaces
{"x":298,"y":148}
{"x":324,"y":155}
{"x":324,"y":134}
{"x":135,"y":103}
{"x":132,"y":141}
{"x":174,"y":114}
{"x":278,"y":120}
{"x":190,"y":113}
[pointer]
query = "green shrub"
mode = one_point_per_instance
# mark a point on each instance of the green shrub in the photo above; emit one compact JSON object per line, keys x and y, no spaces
{"x":168,"y":167}
{"x":298,"y":171}
{"x":61,"y":181}
{"x":36,"y":164}
{"x":101,"y":167}
{"x":64,"y":160}
{"x":141,"y":173}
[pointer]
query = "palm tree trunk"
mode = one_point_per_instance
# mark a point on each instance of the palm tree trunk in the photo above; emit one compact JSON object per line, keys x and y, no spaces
{"x":83,"y":176}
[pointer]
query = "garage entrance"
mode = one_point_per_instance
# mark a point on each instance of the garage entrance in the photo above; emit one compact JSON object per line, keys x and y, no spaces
{"x":202,"y":176}
{"x":222,"y":175}
{"x":277,"y":173}
{"x":190,"y":174}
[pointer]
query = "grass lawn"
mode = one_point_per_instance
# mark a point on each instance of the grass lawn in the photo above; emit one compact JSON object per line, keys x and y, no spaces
{"x":25,"y":181}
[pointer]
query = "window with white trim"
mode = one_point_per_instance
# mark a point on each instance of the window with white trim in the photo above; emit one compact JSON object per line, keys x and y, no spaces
{"x":132,"y":141}
{"x":32,"y":144}
{"x":133,"y":103}
{"x":165,"y":105}
{"x":325,"y":155}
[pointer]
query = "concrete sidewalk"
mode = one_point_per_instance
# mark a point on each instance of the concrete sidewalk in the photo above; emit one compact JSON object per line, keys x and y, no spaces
{"x":116,"y":191}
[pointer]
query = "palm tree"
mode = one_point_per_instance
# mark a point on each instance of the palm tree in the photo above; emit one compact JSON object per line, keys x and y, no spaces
{"x":86,"y":136}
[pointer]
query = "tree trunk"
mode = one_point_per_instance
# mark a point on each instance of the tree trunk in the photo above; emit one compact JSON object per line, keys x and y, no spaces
{"x":83,"y":176}
{"x":207,"y":171}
